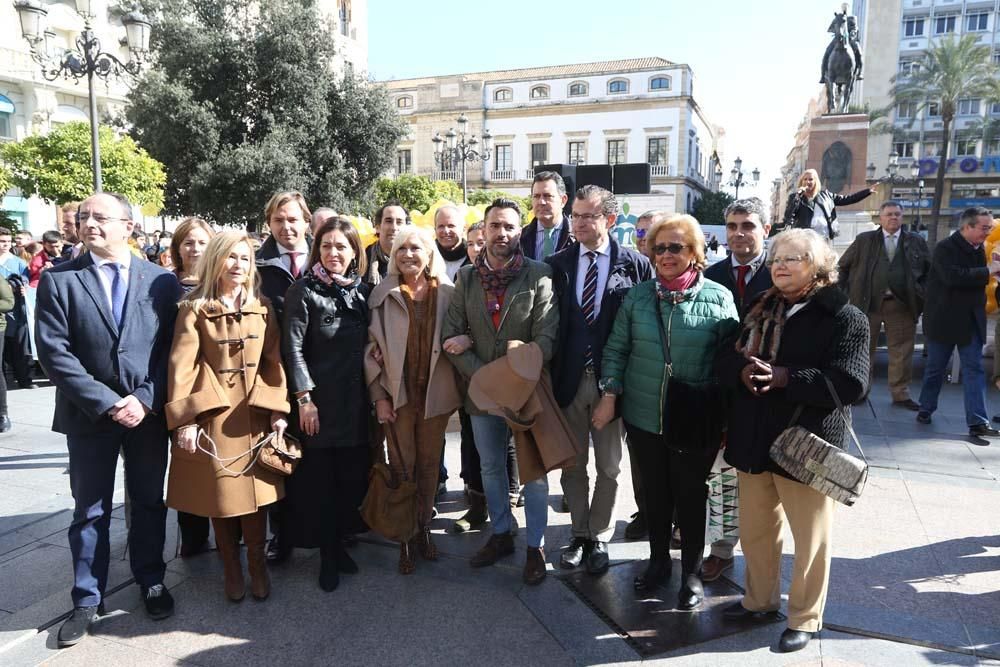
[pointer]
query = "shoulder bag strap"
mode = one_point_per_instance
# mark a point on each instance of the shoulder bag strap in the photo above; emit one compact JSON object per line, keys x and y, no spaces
{"x":391,"y":441}
{"x":843,"y":415}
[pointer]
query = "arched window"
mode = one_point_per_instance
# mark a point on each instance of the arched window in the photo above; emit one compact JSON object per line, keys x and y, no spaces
{"x":578,"y":89}
{"x":503,"y":95}
{"x":345,"y":19}
{"x":659,"y":83}
{"x":540,"y":93}
{"x":617,"y":86}
{"x":6,"y":119}
{"x":404,"y":102}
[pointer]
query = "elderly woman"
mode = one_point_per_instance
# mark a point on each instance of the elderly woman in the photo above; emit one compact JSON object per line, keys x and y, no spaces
{"x":326,"y":330}
{"x":186,"y":248}
{"x":692,"y":316}
{"x":796,"y":335}
{"x":812,"y":207}
{"x":414,"y":387}
{"x":226,"y":392}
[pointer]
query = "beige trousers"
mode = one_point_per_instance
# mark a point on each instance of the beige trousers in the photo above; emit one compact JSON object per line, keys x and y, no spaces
{"x":900,"y":331}
{"x":766,"y":501}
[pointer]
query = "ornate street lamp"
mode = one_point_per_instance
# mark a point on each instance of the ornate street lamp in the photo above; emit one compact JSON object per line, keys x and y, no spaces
{"x":87,"y":60}
{"x":737,"y":177}
{"x":454,"y":148}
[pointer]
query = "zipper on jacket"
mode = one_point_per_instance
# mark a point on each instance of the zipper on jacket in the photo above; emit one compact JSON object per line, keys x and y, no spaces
{"x":668,"y":369}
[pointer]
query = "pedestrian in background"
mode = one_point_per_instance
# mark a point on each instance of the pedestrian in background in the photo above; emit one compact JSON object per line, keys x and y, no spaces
{"x":813,"y":207}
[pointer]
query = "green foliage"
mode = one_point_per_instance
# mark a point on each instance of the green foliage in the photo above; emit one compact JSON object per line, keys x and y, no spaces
{"x":710,"y":209}
{"x":951,"y":70}
{"x":5,"y":180}
{"x":413,"y":192}
{"x":487,"y":197}
{"x":57,"y":168}
{"x":449,"y":190}
{"x":243,"y":102}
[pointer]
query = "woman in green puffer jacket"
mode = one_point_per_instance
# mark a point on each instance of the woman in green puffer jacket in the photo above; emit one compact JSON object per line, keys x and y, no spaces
{"x":696,"y":316}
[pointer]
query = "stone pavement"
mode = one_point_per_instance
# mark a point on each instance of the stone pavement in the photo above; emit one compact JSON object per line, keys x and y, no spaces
{"x":916,"y":575}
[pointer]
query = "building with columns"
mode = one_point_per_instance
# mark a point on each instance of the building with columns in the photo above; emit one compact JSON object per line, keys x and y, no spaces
{"x":614,"y":112}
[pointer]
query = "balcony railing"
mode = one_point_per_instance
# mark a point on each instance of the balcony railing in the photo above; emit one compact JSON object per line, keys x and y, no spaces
{"x":446,"y":175}
{"x":503,"y":175}
{"x":659,"y":170}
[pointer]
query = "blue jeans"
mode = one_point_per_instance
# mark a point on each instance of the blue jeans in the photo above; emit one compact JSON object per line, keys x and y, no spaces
{"x":491,"y":435}
{"x":973,"y":378}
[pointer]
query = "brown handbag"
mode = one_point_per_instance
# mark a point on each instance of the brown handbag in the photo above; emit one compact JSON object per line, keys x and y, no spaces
{"x":280,"y":455}
{"x":390,"y":506}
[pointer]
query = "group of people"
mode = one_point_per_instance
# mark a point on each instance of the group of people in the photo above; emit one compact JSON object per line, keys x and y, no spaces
{"x":548,"y":340}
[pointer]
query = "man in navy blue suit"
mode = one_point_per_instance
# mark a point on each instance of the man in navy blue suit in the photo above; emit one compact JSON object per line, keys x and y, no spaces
{"x":549,"y":232}
{"x":590,"y":277}
{"x":104,"y":327}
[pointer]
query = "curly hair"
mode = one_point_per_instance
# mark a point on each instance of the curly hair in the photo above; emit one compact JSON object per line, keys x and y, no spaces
{"x":822,"y":256}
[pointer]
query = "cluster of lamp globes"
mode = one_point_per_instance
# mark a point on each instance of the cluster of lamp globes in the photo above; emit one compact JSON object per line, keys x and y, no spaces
{"x":32,"y":15}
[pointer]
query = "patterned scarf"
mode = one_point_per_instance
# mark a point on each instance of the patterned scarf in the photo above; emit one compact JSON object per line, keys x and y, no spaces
{"x":763,"y":325}
{"x":328,"y":278}
{"x":495,"y":281}
{"x":689,"y":287}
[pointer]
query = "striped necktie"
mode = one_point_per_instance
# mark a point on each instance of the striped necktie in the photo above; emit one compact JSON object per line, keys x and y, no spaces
{"x":589,"y":296}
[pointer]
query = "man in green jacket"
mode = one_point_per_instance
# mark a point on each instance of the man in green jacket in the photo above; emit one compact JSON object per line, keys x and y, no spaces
{"x":503,"y":297}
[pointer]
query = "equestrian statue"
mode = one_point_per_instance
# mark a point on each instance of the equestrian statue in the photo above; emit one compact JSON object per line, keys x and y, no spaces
{"x":842,"y":61}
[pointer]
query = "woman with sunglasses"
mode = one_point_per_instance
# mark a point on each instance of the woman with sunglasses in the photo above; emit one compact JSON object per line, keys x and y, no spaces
{"x":691,"y":316}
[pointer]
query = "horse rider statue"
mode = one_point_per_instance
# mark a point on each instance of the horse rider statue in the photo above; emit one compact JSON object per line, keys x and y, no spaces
{"x":852,"y":35}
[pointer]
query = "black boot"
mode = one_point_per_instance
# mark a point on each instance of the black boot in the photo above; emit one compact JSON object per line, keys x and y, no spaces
{"x":657,"y":573}
{"x":476,"y":517}
{"x":692,"y":592}
{"x":329,"y":575}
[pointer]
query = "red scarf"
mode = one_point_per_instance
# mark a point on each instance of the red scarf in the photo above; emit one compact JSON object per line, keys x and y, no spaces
{"x":681,"y":282}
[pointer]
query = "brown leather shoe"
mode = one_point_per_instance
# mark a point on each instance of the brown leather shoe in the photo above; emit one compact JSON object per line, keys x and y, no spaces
{"x":534,"y":566}
{"x":713,"y":567}
{"x":495,"y":548}
{"x":425,"y":545}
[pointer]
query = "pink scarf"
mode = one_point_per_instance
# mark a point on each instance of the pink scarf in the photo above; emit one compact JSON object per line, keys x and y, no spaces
{"x":681,"y":282}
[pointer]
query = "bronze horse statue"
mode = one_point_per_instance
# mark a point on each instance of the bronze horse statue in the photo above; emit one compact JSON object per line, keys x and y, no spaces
{"x":841,"y":71}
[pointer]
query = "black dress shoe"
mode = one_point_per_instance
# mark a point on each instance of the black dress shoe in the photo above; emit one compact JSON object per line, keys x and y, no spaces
{"x":692,"y":592}
{"x":159,"y":602}
{"x":657,"y":573}
{"x":794,"y":640}
{"x":345,"y":563}
{"x":75,"y":627}
{"x":5,"y":424}
{"x":907,"y":403}
{"x":996,"y":419}
{"x":923,"y":417}
{"x":578,"y":549}
{"x":637,"y":529}
{"x":276,"y":554}
{"x":983,"y":431}
{"x":597,"y":560}
{"x":737,"y":612}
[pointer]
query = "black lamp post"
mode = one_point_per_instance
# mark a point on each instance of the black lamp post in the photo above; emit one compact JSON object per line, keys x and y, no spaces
{"x":455,"y":148}
{"x":88,"y":60}
{"x":737,"y":177}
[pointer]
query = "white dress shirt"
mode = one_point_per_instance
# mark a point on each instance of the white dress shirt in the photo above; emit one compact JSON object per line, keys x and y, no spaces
{"x":603,"y":269}
{"x":106,"y":277}
{"x":885,"y":240}
{"x":301,"y":260}
{"x":754,"y":265}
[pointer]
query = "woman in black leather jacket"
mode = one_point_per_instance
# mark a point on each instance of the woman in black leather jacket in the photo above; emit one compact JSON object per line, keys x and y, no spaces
{"x":812,"y":207}
{"x":325,"y":333}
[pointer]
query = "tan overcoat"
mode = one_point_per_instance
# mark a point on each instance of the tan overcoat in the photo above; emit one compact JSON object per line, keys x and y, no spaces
{"x":390,"y":322}
{"x":226,"y":376}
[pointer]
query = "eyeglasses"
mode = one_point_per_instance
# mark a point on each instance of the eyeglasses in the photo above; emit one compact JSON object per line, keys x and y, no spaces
{"x":787,"y":260}
{"x":587,"y":217}
{"x":672,"y":248}
{"x":84,"y":216}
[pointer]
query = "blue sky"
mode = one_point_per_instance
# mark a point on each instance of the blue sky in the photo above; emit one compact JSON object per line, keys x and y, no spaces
{"x":756,"y":64}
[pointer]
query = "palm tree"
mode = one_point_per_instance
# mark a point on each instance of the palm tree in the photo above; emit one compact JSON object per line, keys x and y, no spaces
{"x":952,"y":70}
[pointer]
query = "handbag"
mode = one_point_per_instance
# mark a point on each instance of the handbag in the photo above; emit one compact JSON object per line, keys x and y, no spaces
{"x":691,"y":419}
{"x":816,"y":463}
{"x":390,"y":505}
{"x":274,"y":454}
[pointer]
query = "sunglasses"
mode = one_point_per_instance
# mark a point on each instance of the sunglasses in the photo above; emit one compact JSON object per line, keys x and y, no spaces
{"x":672,"y":248}
{"x":641,"y":233}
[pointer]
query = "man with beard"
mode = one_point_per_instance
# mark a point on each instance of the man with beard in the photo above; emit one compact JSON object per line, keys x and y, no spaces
{"x":388,"y":219}
{"x":549,"y":232}
{"x":501,"y":281}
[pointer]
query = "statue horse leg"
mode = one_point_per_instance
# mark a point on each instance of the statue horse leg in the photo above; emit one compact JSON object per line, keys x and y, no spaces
{"x":845,"y":95}
{"x":830,"y":108}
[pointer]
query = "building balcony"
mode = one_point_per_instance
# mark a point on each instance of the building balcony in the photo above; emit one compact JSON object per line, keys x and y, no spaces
{"x":503,"y":175}
{"x":659,"y":170}
{"x":446,"y":175}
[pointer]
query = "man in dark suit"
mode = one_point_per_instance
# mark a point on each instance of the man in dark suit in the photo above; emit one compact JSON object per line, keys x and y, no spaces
{"x":590,"y":277}
{"x":104,"y":327}
{"x":281,"y":260}
{"x":746,"y":275}
{"x":549,"y":232}
{"x":885,"y":272}
{"x":955,"y":316}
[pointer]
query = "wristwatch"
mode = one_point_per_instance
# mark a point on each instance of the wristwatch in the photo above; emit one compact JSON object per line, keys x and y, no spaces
{"x":304,"y":399}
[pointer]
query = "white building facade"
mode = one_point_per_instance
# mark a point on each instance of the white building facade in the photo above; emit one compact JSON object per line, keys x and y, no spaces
{"x":616,"y":112}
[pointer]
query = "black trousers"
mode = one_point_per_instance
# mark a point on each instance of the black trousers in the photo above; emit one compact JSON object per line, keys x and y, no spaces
{"x":3,"y":381}
{"x":673,"y":481}
{"x":17,"y":354}
{"x":471,"y":470}
{"x":194,"y":528}
{"x":323,"y":495}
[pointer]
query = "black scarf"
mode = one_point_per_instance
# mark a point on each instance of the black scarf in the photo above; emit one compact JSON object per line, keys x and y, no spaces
{"x":458,"y":252}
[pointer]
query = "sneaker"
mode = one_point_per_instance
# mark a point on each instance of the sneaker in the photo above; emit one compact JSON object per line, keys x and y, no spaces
{"x":76,"y":626}
{"x":159,"y":602}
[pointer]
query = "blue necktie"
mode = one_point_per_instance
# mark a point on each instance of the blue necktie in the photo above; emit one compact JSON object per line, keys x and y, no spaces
{"x":118,"y":290}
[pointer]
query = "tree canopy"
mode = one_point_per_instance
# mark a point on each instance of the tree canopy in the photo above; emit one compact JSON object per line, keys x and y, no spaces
{"x":56,"y":166}
{"x":710,"y":209}
{"x":244,"y":101}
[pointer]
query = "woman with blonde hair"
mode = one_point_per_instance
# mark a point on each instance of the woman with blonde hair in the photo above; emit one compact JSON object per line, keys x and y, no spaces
{"x":800,"y":343}
{"x":226,"y":392}
{"x":414,"y":388}
{"x":668,"y":404}
{"x":813,"y":207}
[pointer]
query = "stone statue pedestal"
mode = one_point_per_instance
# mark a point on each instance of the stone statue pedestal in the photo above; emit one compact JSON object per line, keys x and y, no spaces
{"x":838,"y":151}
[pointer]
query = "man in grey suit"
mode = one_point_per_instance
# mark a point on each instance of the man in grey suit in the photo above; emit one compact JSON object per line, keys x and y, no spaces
{"x":104,"y":328}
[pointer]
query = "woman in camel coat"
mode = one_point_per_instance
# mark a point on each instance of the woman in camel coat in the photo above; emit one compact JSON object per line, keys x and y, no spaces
{"x":226,"y":386}
{"x":414,"y":388}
